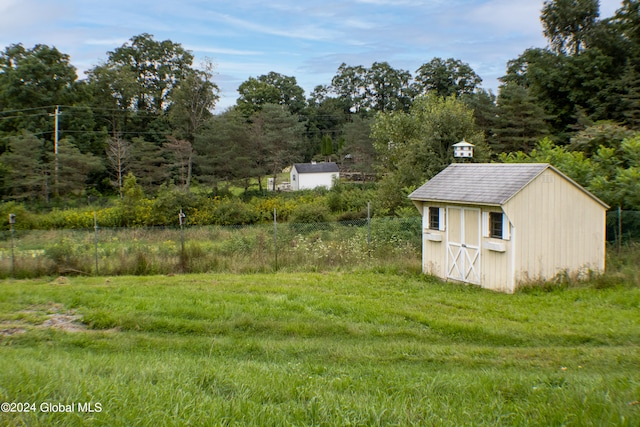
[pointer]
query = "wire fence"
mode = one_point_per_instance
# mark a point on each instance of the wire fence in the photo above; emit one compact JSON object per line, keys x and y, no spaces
{"x":623,"y":226}
{"x":347,"y":245}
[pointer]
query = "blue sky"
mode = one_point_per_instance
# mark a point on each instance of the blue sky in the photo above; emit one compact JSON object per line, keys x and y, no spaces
{"x":305,"y":39}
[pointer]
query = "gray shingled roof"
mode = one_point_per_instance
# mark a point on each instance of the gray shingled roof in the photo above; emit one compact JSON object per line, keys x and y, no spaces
{"x":482,"y":183}
{"x":325,"y":167}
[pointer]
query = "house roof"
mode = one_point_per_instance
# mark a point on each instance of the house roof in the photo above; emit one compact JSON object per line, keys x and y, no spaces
{"x":326,"y":167}
{"x":484,"y":183}
{"x":463,"y":143}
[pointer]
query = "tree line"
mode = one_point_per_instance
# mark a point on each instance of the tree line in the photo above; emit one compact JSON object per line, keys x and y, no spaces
{"x":147,"y":111}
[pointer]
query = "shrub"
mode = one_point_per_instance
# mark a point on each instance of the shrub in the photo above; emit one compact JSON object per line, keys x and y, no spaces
{"x":310,"y":213}
{"x":63,"y":254}
{"x":235,"y":212}
{"x":24,"y":220}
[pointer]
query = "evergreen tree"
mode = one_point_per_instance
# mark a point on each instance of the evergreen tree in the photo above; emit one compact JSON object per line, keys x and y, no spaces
{"x":27,"y":165}
{"x":520,"y":121}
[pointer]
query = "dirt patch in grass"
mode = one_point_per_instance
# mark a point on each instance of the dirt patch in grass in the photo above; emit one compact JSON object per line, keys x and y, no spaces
{"x":55,"y":317}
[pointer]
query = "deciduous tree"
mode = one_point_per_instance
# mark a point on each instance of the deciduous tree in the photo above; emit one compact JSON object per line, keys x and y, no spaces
{"x":271,"y":88}
{"x":193,"y":102}
{"x":446,"y":78}
{"x":412,"y":147}
{"x":567,"y":23}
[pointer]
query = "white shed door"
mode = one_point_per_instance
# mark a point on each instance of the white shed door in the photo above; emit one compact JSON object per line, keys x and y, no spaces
{"x":463,"y":244}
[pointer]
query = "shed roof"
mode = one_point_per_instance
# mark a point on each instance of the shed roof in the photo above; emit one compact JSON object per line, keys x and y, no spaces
{"x":484,"y":183}
{"x":325,"y":167}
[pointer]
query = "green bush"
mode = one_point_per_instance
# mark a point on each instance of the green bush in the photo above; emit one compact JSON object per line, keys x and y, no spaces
{"x":24,"y":219}
{"x":235,"y":212}
{"x":63,"y":254}
{"x":310,"y":213}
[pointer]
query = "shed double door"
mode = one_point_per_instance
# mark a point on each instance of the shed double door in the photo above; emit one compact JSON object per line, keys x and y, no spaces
{"x":463,"y":244}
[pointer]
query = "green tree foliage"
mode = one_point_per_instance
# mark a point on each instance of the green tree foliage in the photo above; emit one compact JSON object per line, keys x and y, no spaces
{"x":224,"y":150}
{"x":193,"y":102}
{"x":272,"y":88}
{"x":327,"y":147}
{"x":134,"y":209}
{"x":325,"y":116}
{"x":147,"y":162}
{"x":280,"y":134}
{"x":359,"y":147}
{"x":27,"y":168}
{"x":32,"y":82}
{"x":446,"y":78}
{"x":150,"y":72}
{"x":567,"y":23}
{"x":349,"y":85}
{"x":379,"y":88}
{"x":630,"y":88}
{"x":387,"y":89}
{"x":589,"y":72}
{"x":35,"y":78}
{"x":483,"y":104}
{"x":414,"y":146}
{"x":180,"y":160}
{"x":75,"y":168}
{"x":606,"y":134}
{"x":612,"y":172}
{"x":520,"y":121}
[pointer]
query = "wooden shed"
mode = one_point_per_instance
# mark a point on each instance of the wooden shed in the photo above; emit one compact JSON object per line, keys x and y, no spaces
{"x":307,"y":176}
{"x":503,"y":225}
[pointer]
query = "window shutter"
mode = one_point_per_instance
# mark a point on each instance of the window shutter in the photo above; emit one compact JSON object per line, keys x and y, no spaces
{"x":505,"y":228}
{"x":425,"y":217}
{"x":441,"y":219}
{"x":485,"y":224}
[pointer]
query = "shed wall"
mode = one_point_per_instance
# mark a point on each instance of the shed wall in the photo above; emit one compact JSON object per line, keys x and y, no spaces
{"x":497,"y":265}
{"x":434,"y":243}
{"x":560,"y":229}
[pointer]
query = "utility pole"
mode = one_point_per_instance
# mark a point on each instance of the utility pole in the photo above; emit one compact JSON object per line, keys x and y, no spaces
{"x":55,"y":150}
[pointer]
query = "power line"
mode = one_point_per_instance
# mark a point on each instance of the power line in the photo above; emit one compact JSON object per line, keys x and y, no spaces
{"x":26,"y":109}
{"x":27,"y":115}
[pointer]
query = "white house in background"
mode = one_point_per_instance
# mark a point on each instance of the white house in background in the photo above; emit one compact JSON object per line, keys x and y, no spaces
{"x":502,"y":225}
{"x":307,"y":176}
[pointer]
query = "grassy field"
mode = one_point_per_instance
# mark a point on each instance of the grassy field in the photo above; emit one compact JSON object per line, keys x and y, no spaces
{"x":310,"y":349}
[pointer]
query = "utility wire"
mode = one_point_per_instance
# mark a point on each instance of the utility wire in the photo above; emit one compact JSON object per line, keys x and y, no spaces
{"x":27,"y":109}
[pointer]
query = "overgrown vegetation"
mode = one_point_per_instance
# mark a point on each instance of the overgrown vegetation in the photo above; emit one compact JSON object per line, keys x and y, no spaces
{"x":310,"y":246}
{"x":360,"y":349}
{"x":344,"y":201}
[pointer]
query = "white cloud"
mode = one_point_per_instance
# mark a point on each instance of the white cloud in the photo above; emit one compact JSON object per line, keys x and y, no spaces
{"x":222,"y":51}
{"x":111,"y":42}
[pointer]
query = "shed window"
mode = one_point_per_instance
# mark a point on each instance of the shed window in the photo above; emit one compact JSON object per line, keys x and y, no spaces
{"x":434,"y":218}
{"x":495,"y":225}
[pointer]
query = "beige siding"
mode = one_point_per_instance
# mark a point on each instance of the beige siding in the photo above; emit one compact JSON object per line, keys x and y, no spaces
{"x":559,"y":229}
{"x":497,"y":270}
{"x":433,"y":250}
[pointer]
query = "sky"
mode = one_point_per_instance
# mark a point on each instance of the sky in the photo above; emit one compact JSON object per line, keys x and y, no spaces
{"x":305,"y":39}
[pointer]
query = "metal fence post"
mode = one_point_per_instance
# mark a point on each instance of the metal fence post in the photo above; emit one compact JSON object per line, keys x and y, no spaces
{"x":369,"y":227}
{"x":619,"y":229}
{"x":182,"y":218}
{"x":95,"y":233}
{"x":275,"y":237}
{"x":12,"y":221}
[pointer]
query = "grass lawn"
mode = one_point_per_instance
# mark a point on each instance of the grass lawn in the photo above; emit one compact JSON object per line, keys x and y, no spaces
{"x":331,"y":349}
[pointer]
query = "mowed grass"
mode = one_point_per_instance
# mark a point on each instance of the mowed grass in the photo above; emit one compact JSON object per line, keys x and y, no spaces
{"x":335,"y":349}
